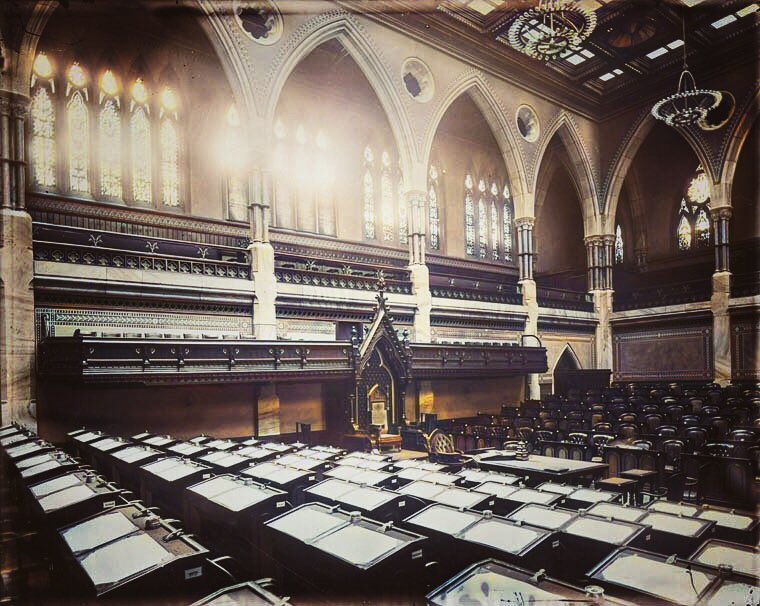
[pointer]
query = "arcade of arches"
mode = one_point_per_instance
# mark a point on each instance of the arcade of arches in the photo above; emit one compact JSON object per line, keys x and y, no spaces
{"x":203,"y":199}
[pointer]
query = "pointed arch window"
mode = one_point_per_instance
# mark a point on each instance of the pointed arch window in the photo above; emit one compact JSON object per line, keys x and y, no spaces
{"x":170,"y":149}
{"x":434,"y":210}
{"x":507,"y":224}
{"x":684,"y":227}
{"x":494,"y":226}
{"x":386,"y":198}
{"x":141,"y":148}
{"x":43,"y":149}
{"x":109,"y":137}
{"x":78,"y":125}
{"x":693,"y":219}
{"x":469,"y":217}
{"x":235,"y":165}
{"x":482,"y":221}
{"x":368,"y":195}
{"x":403,"y":220}
{"x":618,"y":245}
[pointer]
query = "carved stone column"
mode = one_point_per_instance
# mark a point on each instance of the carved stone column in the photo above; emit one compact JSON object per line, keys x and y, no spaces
{"x":721,"y":285}
{"x":420,"y":276}
{"x":16,"y":270}
{"x":600,"y":253}
{"x":262,"y":258}
{"x":525,"y":258}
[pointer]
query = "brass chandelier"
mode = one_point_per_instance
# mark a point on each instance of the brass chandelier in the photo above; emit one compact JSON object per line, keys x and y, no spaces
{"x":551,"y":29}
{"x":689,"y":105}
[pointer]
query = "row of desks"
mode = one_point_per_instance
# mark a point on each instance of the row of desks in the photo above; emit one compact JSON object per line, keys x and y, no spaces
{"x":358,"y":554}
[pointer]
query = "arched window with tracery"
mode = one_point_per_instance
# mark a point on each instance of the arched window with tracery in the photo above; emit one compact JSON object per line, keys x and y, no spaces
{"x":368,"y":194}
{"x":507,"y":223}
{"x":619,"y":251}
{"x":386,"y":198}
{"x":693,"y":220}
{"x":469,"y":217}
{"x":403,"y":219}
{"x":42,"y":111}
{"x":78,"y":127}
{"x":170,"y":149}
{"x":434,"y":218}
{"x":141,"y":144}
{"x":482,"y":221}
{"x":109,"y":136}
{"x":235,"y":166}
{"x":494,"y":226}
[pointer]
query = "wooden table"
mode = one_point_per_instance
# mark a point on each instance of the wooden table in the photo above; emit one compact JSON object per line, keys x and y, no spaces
{"x":540,"y":468}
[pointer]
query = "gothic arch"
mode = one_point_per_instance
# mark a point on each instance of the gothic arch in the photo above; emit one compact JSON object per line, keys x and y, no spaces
{"x":475,"y":85}
{"x":625,"y":156}
{"x":239,"y":75}
{"x":21,"y":66}
{"x":567,"y":355}
{"x":738,"y":136}
{"x":359,"y":47}
{"x":580,"y":166}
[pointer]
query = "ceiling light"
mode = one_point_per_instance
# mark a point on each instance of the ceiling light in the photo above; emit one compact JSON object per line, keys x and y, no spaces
{"x":723,"y":22}
{"x":688,"y":105}
{"x":552,"y":28}
{"x":657,"y":53}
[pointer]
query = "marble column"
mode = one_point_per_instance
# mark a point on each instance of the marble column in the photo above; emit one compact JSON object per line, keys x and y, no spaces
{"x":420,"y":276}
{"x":721,"y":287}
{"x":600,"y":254}
{"x":525,"y":260}
{"x":262,"y":258}
{"x":17,"y":339}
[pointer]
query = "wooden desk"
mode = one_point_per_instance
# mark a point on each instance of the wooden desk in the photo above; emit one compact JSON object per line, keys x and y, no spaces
{"x":541,"y":469}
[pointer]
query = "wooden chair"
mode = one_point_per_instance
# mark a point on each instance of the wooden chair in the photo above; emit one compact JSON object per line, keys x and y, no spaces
{"x":440,"y":448}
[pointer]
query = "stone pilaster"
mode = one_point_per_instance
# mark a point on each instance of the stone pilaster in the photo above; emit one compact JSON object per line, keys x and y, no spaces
{"x":525,"y":257}
{"x":721,"y":294}
{"x":420,"y":276}
{"x":721,"y":286}
{"x":262,"y":259}
{"x":525,"y":249}
{"x":603,"y":334}
{"x":721,"y":217}
{"x":16,"y":271}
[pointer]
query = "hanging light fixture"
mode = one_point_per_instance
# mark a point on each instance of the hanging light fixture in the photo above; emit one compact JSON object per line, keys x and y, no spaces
{"x":551,"y":29}
{"x":688,"y":105}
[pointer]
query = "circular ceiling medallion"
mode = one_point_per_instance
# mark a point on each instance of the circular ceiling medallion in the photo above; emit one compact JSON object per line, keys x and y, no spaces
{"x":527,"y":123}
{"x":259,"y":19}
{"x":418,"y":80}
{"x":718,"y":116}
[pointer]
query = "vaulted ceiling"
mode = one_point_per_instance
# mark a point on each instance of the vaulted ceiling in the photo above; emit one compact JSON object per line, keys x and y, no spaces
{"x":636,"y":46}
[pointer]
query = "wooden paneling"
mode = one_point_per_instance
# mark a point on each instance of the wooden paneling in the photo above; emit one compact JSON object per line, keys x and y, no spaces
{"x":665,"y":353}
{"x":745,"y":342}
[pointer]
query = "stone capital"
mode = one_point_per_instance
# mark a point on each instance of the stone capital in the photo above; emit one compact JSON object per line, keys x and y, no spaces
{"x":525,"y":221}
{"x":721,"y":212}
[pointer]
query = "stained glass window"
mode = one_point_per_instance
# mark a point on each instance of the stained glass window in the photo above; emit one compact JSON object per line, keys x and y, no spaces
{"x":433,"y":211}
{"x":78,"y":123}
{"x":469,"y":218}
{"x":698,"y":191}
{"x":109,"y":139}
{"x":494,"y":231}
{"x":403,"y":222}
{"x":684,"y":234}
{"x":142,"y":156}
{"x":368,"y":195}
{"x":169,"y":162}
{"x":43,"y":139}
{"x":507,"y":225}
{"x":693,"y":228}
{"x":482,"y":222}
{"x":702,"y":227}
{"x":618,"y":245}
{"x":482,"y":229}
{"x":386,"y":198}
